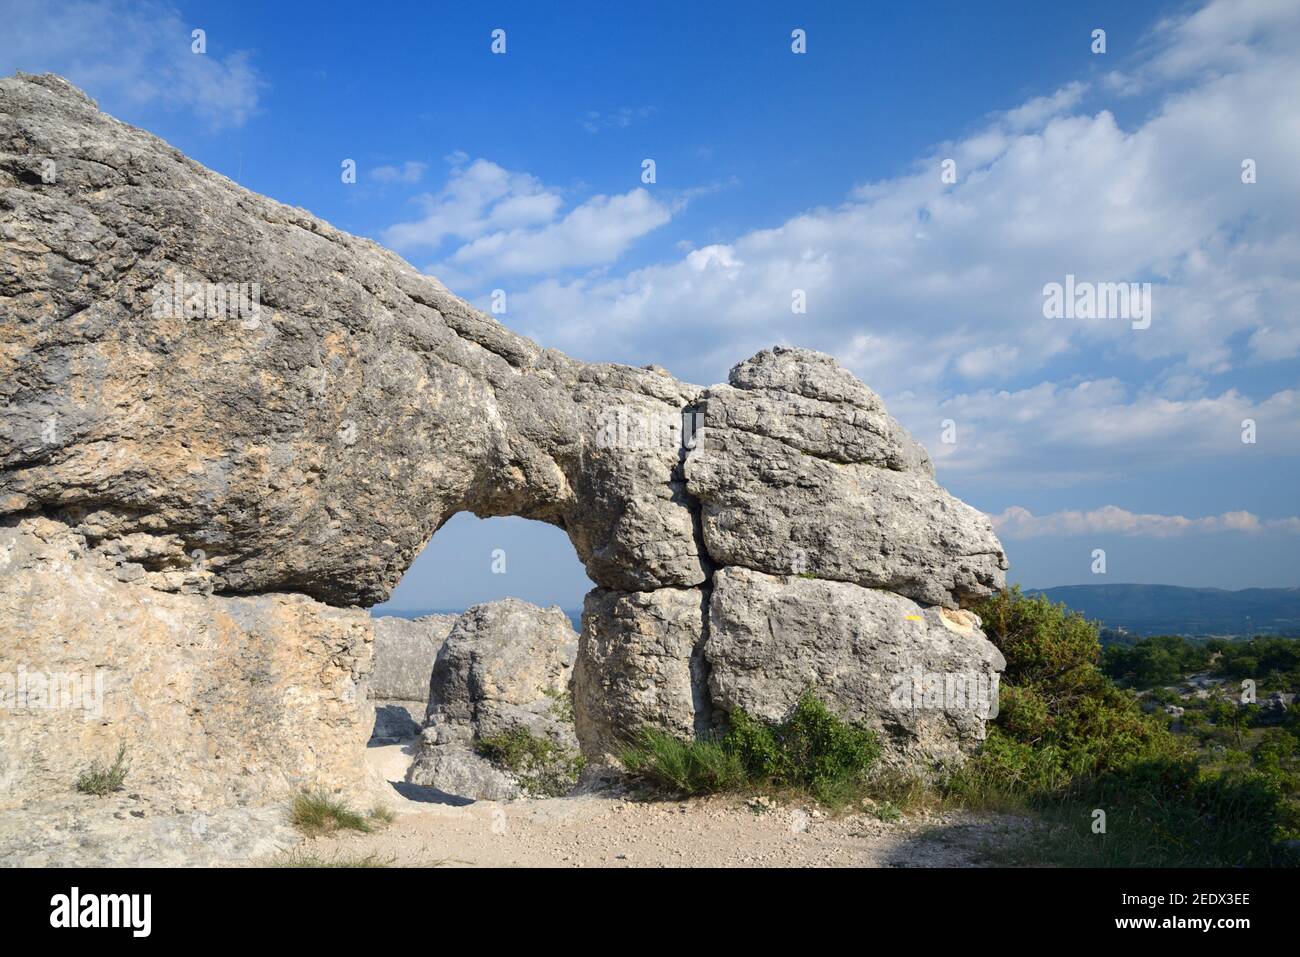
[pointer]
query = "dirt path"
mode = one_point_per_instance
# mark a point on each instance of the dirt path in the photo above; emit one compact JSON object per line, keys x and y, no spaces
{"x":612,"y":831}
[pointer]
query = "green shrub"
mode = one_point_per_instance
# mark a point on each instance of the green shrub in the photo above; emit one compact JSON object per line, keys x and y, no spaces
{"x":1067,"y":743}
{"x":683,"y":767}
{"x":315,"y":813}
{"x":812,"y":751}
{"x":544,"y":767}
{"x":100,"y":780}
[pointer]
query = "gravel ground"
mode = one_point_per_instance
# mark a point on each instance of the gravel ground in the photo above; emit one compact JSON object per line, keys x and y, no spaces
{"x":602,"y":830}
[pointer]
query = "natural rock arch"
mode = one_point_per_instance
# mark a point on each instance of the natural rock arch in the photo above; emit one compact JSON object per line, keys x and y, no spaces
{"x":306,"y":454}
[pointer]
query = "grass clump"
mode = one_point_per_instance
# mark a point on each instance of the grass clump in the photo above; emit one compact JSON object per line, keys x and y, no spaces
{"x":682,"y":767}
{"x":315,"y":813}
{"x":543,"y":766}
{"x":300,"y":858}
{"x":561,"y":706}
{"x":812,"y":752}
{"x":100,"y":780}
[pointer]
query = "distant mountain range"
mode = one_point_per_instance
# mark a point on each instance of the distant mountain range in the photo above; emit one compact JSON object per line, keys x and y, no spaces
{"x":1137,"y":609}
{"x":1172,"y":610}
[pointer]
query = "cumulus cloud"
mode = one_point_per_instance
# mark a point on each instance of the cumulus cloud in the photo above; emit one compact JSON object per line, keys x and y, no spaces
{"x":917,"y":283}
{"x":131,"y":55}
{"x":510,"y":224}
{"x":1051,"y":434}
{"x":479,"y":197}
{"x":1019,"y":523}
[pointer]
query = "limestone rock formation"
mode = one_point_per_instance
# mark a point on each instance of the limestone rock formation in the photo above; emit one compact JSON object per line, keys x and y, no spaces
{"x":640,"y":661}
{"x":405,"y":650}
{"x":923,"y":677}
{"x":503,"y":678}
{"x":801,"y":470}
{"x":316,"y":444}
{"x":218,"y":699}
{"x":205,"y":394}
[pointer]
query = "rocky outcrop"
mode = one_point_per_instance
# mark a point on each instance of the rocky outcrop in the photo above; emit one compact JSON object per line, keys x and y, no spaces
{"x":923,"y":677}
{"x":801,"y":471}
{"x":500,"y":711}
{"x":218,"y":700}
{"x":244,"y":423}
{"x":405,"y":650}
{"x":640,"y":661}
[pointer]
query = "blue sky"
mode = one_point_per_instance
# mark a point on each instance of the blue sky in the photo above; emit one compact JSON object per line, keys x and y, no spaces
{"x":818,"y":171}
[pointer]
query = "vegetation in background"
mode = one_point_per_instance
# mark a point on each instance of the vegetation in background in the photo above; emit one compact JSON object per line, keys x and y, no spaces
{"x":1068,"y":742}
{"x":100,"y":780}
{"x":811,"y":752}
{"x":543,"y":767}
{"x":1274,"y":663}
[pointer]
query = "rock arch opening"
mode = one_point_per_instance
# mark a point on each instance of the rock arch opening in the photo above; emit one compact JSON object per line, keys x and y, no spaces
{"x":472,"y":679}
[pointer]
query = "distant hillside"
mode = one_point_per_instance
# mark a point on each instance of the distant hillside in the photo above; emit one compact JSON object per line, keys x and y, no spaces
{"x":1171,"y":610}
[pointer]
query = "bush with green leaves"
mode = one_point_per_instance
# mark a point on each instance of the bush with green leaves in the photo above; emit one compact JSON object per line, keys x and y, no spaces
{"x":544,"y":767}
{"x":1068,"y":742}
{"x":812,"y":751}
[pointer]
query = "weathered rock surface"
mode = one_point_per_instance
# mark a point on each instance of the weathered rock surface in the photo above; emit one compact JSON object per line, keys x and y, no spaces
{"x":219,"y":700}
{"x":316,"y":446}
{"x":131,"y":830}
{"x":162,"y":455}
{"x":926,"y":678}
{"x":801,"y":470}
{"x":640,"y":661}
{"x":505,"y":669}
{"x":404,"y":652}
{"x":505,"y":664}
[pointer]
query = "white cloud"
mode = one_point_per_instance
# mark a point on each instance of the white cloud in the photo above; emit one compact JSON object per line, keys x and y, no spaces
{"x":409,"y":172}
{"x":918,"y":285}
{"x":132,"y":55}
{"x":593,"y":121}
{"x":510,"y":224}
{"x":479,"y":197}
{"x":598,"y":231}
{"x":1019,"y":523}
{"x":1050,"y":434}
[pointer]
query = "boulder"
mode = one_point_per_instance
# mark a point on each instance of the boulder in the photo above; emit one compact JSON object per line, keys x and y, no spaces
{"x":218,"y":700}
{"x":801,"y":471}
{"x":404,"y":652}
{"x":641,"y":662}
{"x":925,"y":678}
{"x":500,"y":692}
